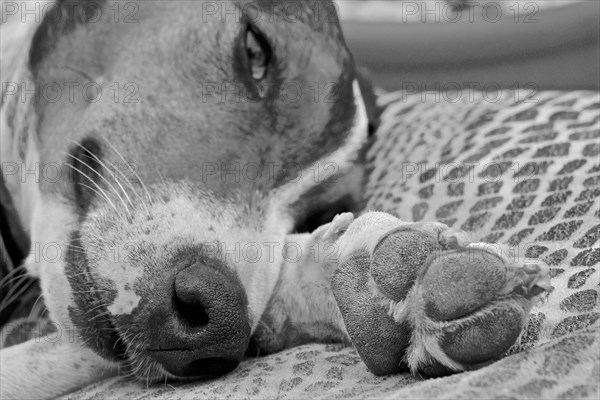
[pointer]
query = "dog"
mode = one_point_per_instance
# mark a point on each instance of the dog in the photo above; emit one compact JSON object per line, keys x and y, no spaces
{"x":220,"y":129}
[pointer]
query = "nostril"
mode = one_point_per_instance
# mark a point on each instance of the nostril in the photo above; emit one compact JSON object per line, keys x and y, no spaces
{"x":192,"y":313}
{"x":189,"y":296}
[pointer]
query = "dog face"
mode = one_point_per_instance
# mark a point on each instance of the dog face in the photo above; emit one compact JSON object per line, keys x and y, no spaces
{"x":187,"y":173}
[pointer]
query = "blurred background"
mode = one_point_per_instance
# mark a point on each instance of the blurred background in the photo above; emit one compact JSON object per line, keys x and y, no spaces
{"x":435,"y":44}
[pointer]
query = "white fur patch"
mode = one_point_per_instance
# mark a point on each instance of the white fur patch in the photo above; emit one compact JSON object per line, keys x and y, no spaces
{"x":398,"y":311}
{"x":49,"y":247}
{"x":125,"y":302}
{"x":424,"y":343}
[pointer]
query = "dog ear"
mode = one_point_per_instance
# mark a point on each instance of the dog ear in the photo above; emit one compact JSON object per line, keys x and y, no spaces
{"x":61,"y":19}
{"x":370,"y":98}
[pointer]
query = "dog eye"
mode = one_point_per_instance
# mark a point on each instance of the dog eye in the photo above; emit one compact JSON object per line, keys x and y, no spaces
{"x":258,"y":53}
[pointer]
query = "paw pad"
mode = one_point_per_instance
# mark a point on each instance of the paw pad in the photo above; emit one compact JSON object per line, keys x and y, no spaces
{"x":406,"y":248}
{"x":459,"y":282}
{"x":484,"y":338}
{"x":380,"y":341}
{"x":421,"y":296}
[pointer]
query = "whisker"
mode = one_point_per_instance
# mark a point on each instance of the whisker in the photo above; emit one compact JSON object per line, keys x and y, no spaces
{"x":33,"y":308}
{"x":162,"y":179}
{"x":84,"y":174}
{"x":11,"y":282}
{"x":102,"y":192}
{"x":132,"y":170}
{"x":97,"y":257}
{"x":12,"y":272}
{"x":105,"y":167}
{"x":9,"y":300}
{"x":97,"y":307}
{"x":103,"y":178}
{"x":91,"y":291}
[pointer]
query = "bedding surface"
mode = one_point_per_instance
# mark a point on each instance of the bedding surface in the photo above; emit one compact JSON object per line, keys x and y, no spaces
{"x":521,"y":172}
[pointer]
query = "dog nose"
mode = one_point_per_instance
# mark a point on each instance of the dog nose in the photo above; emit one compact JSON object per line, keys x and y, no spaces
{"x":204,"y":329}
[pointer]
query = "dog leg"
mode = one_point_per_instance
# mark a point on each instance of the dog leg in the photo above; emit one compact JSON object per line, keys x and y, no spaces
{"x":409,"y":296}
{"x":302,"y":308}
{"x":419,"y":296}
{"x":40,"y":369}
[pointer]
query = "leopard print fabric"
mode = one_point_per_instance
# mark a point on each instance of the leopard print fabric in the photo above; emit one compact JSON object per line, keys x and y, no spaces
{"x":524,"y":174}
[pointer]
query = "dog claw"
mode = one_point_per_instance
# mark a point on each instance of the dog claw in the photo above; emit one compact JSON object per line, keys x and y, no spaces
{"x":532,"y":279}
{"x":332,"y":231}
{"x":338,"y":226}
{"x":423,"y":297}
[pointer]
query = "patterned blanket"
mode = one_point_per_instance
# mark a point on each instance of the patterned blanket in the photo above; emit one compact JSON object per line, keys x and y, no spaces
{"x":521,"y":172}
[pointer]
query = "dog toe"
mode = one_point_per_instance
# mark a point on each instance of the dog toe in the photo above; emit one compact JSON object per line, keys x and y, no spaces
{"x":420,"y":296}
{"x":469,"y":307}
{"x":397,"y":260}
{"x":380,"y":341}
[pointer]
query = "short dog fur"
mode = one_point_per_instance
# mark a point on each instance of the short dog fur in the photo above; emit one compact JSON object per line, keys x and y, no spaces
{"x":170,"y":266}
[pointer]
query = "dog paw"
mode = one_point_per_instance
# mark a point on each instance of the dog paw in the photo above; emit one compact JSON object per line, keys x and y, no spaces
{"x":420,"y":296}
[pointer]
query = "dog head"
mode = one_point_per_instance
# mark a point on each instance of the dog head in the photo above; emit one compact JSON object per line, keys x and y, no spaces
{"x":178,"y":143}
